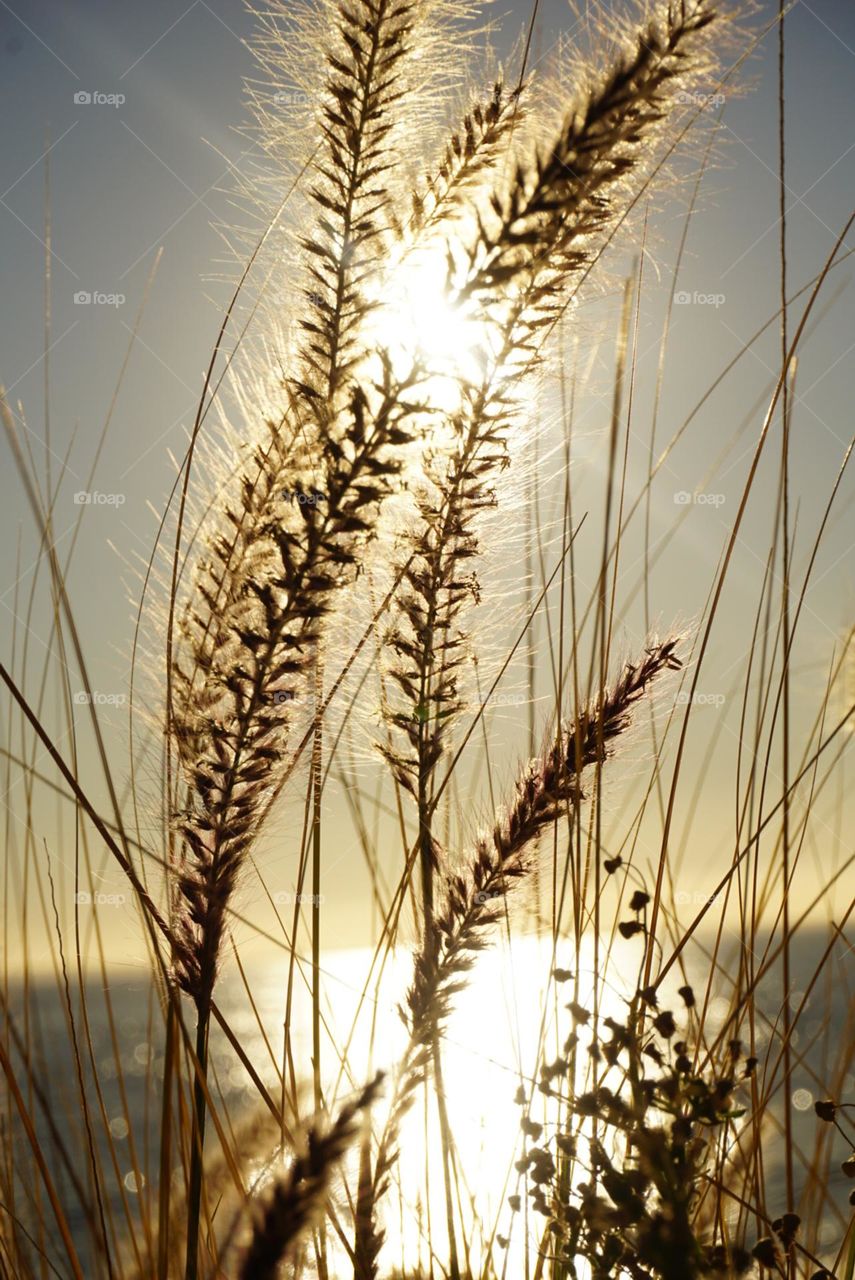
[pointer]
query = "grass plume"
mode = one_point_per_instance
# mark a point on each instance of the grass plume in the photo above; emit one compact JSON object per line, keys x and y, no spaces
{"x":297,"y":1198}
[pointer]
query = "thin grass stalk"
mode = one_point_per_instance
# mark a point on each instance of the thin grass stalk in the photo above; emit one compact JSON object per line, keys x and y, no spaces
{"x":785,"y":624}
{"x":317,"y":792}
{"x":197,"y":1137}
{"x":93,"y":1163}
{"x":165,"y":1174}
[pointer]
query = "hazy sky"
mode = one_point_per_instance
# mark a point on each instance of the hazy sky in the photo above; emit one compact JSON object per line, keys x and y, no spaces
{"x":137,"y":107}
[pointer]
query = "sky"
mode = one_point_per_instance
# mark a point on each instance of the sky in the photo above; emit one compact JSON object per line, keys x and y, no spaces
{"x":124,"y":121}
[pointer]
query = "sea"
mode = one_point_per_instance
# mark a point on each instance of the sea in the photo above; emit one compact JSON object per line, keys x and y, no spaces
{"x":507,"y":1014}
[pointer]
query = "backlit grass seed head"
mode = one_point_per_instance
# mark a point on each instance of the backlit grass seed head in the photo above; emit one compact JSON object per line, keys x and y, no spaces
{"x":262,"y":595}
{"x":474,"y":899}
{"x":534,"y":239}
{"x":297,"y":1199}
{"x":273,"y":567}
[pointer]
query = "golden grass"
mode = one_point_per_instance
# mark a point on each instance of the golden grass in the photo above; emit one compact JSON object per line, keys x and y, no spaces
{"x":361,"y":485}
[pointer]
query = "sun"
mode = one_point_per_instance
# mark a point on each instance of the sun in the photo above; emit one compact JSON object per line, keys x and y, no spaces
{"x":418,"y":319}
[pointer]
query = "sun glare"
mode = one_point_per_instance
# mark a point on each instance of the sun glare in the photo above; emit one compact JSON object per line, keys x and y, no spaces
{"x":504,"y":1010}
{"x":418,"y":319}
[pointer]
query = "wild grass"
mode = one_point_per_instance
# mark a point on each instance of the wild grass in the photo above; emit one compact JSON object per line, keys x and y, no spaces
{"x":329,"y":576}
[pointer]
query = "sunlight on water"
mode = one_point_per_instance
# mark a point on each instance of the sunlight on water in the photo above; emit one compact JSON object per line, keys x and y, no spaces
{"x":508,"y":1009}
